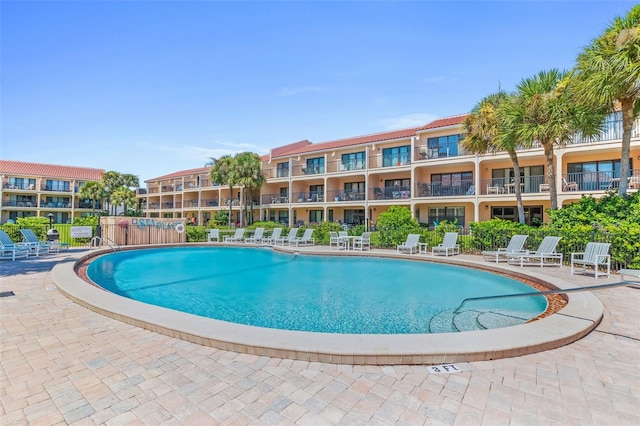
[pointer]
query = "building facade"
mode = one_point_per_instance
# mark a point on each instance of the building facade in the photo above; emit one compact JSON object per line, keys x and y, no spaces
{"x":424,"y":168}
{"x":34,"y":189}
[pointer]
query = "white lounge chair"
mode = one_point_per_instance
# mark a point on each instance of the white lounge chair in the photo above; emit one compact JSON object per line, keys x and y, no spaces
{"x":293,"y":232}
{"x":30,"y":239}
{"x":514,"y":247}
{"x":449,"y":245}
{"x":256,"y":238}
{"x":595,"y":255}
{"x":545,"y":255}
{"x":362,"y":242}
{"x":410,"y":244}
{"x":306,"y":238}
{"x":235,"y":238}
{"x":271,"y":239}
{"x":11,"y":250}
{"x":214,"y":234}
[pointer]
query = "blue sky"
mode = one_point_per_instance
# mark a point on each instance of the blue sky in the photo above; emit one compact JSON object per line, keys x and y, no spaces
{"x":153,"y":87}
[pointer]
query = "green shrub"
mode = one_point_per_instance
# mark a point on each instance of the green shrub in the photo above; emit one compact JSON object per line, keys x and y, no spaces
{"x":394,"y":225}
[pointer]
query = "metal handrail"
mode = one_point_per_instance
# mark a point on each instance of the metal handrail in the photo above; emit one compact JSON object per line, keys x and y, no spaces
{"x":544,"y":293}
{"x":106,"y":240}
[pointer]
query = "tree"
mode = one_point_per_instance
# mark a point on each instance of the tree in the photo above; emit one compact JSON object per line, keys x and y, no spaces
{"x":608,"y":74}
{"x":223,"y":172}
{"x":544,"y":111}
{"x":93,"y":191}
{"x":249,"y":176}
{"x":123,"y":196}
{"x":485,"y":132}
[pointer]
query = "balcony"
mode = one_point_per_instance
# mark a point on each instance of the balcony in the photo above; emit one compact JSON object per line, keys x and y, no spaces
{"x":528,"y":185}
{"x":21,"y":187}
{"x":307,"y":197}
{"x":390,"y":193}
{"x":425,"y":152}
{"x":274,"y":199}
{"x":381,"y":161}
{"x":345,"y":195}
{"x":598,"y":181}
{"x":439,"y":189}
{"x":308,"y":170}
{"x":340,"y":166}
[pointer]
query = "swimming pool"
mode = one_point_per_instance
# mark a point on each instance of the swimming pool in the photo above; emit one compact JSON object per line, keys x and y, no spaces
{"x":348,"y":295}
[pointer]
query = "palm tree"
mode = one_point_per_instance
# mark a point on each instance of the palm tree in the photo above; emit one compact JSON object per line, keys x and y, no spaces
{"x":249,"y":173}
{"x":544,"y":111}
{"x":485,"y":132}
{"x":223,"y":172}
{"x":123,"y":196}
{"x":608,"y":74}
{"x":93,"y":191}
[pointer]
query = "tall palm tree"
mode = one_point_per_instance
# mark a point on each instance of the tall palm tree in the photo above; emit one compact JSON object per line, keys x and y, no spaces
{"x":123,"y":196}
{"x":544,"y":111}
{"x":249,"y":173}
{"x":485,"y":132}
{"x":223,"y":172}
{"x":93,"y":191}
{"x":608,"y":74}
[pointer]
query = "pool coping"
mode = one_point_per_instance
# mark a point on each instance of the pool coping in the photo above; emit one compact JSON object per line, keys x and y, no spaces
{"x":582,"y":314}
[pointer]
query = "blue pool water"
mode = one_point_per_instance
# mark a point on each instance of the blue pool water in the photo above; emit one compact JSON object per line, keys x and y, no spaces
{"x":265,"y":288}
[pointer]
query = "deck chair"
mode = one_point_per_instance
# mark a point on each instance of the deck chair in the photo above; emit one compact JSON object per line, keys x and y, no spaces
{"x":275,"y":234}
{"x":235,"y":238}
{"x":449,"y":245}
{"x":595,"y":255}
{"x":256,"y":238}
{"x":569,"y":186}
{"x":30,"y":239}
{"x":306,"y":238}
{"x":362,"y":242}
{"x":11,"y":250}
{"x":410,"y":244}
{"x":334,"y":238}
{"x":514,"y":247}
{"x":214,"y":234}
{"x":545,"y":255}
{"x":293,"y":232}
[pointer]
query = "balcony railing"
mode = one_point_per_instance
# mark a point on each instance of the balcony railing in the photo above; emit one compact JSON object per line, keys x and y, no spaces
{"x":425,"y":152}
{"x":307,"y":197}
{"x":380,"y":161}
{"x":390,"y":193}
{"x":308,"y":170}
{"x":439,"y":189}
{"x":345,"y":195}
{"x":346,"y":166}
{"x":529,"y":184}
{"x":598,"y":181}
{"x":23,"y":187}
{"x":612,"y":131}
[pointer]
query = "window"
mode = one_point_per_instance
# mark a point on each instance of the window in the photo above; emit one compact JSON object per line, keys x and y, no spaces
{"x":594,"y":175}
{"x":314,"y":166}
{"x":398,"y":156}
{"x":354,"y":217}
{"x":21,"y":183}
{"x":397,"y":188}
{"x":316,"y":192}
{"x":532,"y":214}
{"x":57,"y":185}
{"x":450,"y":214}
{"x":282,"y":170}
{"x":352,"y":161}
{"x":316,"y":216}
{"x":444,"y":146}
{"x":451,"y":183}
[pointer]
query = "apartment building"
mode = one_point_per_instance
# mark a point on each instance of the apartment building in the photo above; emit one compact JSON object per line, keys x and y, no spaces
{"x":424,"y":168}
{"x":34,"y":189}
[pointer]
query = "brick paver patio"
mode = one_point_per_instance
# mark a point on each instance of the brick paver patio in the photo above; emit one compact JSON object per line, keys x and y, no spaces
{"x":64,"y":364}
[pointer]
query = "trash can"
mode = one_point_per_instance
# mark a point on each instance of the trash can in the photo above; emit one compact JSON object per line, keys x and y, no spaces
{"x":53,"y":235}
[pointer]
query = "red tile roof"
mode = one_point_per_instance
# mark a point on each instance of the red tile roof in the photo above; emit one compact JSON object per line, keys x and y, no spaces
{"x":341,"y":143}
{"x":292,"y":147}
{"x":181,"y":173}
{"x":8,"y":167}
{"x":444,"y":122}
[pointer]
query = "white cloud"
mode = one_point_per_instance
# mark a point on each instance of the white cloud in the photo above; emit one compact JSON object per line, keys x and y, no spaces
{"x":409,"y":120}
{"x":294,"y":91}
{"x":435,"y":79}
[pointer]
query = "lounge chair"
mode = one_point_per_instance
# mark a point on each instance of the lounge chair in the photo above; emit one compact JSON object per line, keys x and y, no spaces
{"x":545,"y":255}
{"x":449,"y":245}
{"x":514,"y":248}
{"x":256,"y":238}
{"x":306,"y":238}
{"x":569,"y":186}
{"x":30,"y":239}
{"x":410,"y":244}
{"x":235,"y":238}
{"x":362,"y":242}
{"x":214,"y":234}
{"x":11,"y":250}
{"x":293,"y":232}
{"x":596,"y":255}
{"x":275,"y":235}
